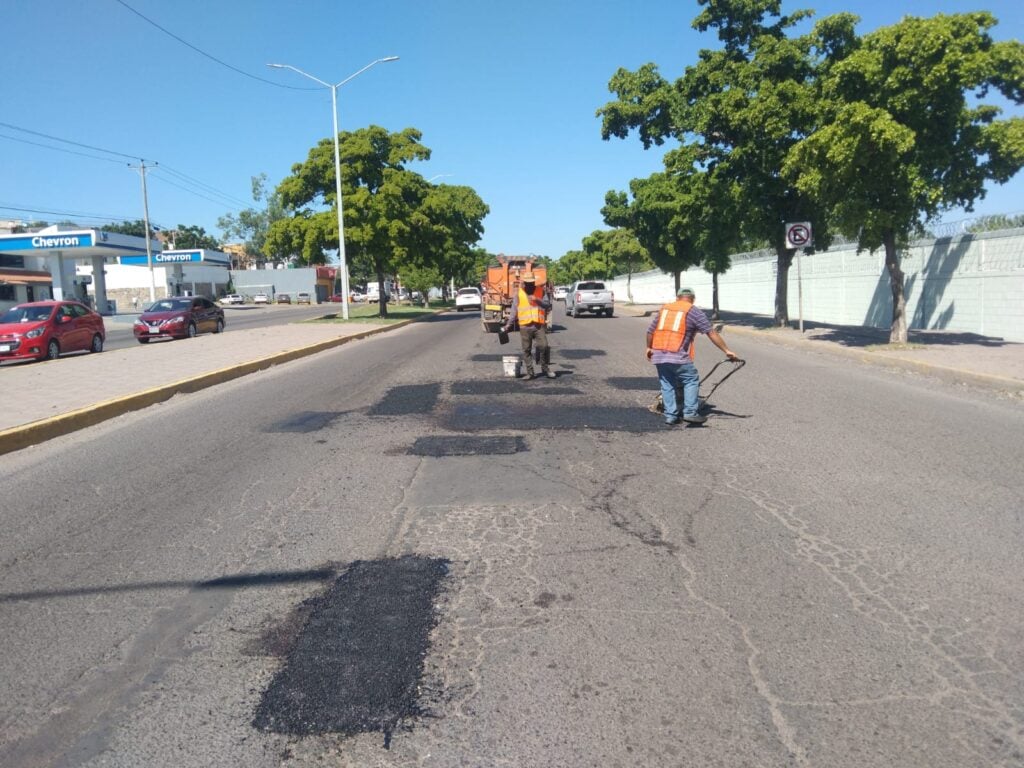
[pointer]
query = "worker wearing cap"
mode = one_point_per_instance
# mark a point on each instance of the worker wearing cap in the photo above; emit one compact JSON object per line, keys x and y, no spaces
{"x":670,"y":346}
{"x":530,"y":306}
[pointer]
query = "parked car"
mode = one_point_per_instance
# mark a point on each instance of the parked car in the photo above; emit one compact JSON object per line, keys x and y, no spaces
{"x":44,"y":330}
{"x":337,"y":298}
{"x":178,"y":317}
{"x":303,"y":298}
{"x":589,"y":296}
{"x":357,"y":296}
{"x":261,"y":298}
{"x":467,"y":298}
{"x":284,"y":298}
{"x":232,"y":298}
{"x":560,"y":292}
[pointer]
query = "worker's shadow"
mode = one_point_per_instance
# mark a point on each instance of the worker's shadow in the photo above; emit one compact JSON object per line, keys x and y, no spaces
{"x":710,"y":409}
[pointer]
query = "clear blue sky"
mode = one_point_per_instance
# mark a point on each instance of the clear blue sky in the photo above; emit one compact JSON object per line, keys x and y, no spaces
{"x":504,"y":93}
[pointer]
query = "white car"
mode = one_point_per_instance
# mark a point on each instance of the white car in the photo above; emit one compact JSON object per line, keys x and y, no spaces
{"x":232,"y":298}
{"x":261,"y":298}
{"x":467,"y":298}
{"x":560,"y":291}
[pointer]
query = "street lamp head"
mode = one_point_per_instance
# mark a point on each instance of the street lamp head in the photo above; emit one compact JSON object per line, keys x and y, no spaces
{"x":276,"y":66}
{"x":390,"y":58}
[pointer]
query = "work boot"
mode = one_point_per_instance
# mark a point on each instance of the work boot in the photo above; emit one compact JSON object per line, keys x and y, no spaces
{"x":529,"y":374}
{"x":695,"y":418}
{"x":550,"y":374}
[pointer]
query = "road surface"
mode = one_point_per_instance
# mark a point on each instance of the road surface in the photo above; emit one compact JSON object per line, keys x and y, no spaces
{"x":828,"y":574}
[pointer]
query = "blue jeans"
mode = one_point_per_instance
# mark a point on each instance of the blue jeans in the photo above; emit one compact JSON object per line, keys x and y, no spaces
{"x":683,"y":376}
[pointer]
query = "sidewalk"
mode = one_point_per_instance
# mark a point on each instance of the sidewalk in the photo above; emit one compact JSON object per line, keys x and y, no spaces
{"x":961,"y":357}
{"x":44,"y":400}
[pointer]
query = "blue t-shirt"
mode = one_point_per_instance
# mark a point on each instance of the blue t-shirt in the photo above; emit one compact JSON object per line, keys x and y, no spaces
{"x":696,"y":322}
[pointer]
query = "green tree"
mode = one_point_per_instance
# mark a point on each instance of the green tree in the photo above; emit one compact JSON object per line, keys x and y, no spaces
{"x":737,"y":112}
{"x":900,"y":140}
{"x":422,"y":279}
{"x":194,"y":237}
{"x":136,"y":228}
{"x":252,"y":224}
{"x":394,"y":219}
{"x":619,"y":251}
{"x":450,"y":221}
{"x":664,"y":216}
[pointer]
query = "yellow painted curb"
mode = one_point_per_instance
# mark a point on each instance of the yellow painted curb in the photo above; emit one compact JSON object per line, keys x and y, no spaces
{"x":16,"y":438}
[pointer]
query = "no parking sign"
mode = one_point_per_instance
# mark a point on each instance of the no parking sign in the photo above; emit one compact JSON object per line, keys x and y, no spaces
{"x":798,"y":235}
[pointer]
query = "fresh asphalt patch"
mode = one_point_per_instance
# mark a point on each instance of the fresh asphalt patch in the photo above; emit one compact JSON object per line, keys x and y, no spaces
{"x":305,"y":421}
{"x":356,"y":664}
{"x":407,"y":400}
{"x":509,"y":386}
{"x":520,"y":416}
{"x":578,"y":354}
{"x":459,"y":445}
{"x":639,"y":383}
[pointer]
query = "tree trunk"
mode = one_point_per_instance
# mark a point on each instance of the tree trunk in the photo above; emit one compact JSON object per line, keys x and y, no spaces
{"x":714,"y":296}
{"x":676,"y":275}
{"x":898,"y":329}
{"x":785,"y":257}
{"x":382,"y":295}
{"x":629,"y":283}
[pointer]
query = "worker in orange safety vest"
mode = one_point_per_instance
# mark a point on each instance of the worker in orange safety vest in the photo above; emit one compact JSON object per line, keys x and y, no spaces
{"x":670,"y":346}
{"x":530,"y":306}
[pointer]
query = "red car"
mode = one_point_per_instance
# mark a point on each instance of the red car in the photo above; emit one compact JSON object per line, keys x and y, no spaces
{"x":44,"y":330}
{"x":178,"y":317}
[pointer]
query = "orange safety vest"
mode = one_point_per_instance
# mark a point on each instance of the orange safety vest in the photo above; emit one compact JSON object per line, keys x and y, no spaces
{"x":670,"y":332}
{"x":528,"y":313}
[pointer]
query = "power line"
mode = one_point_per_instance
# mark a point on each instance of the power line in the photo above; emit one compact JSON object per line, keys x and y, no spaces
{"x":60,"y":149}
{"x":94,"y":216}
{"x":68,"y":141}
{"x":190,"y":191}
{"x":211,"y":57}
{"x":234,"y":201}
{"x":208,"y":187}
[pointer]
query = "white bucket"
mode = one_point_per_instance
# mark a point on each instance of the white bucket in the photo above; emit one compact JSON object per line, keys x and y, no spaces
{"x":511,"y":365}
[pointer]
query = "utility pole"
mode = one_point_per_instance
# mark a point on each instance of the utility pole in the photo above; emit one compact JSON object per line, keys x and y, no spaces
{"x":145,"y":213}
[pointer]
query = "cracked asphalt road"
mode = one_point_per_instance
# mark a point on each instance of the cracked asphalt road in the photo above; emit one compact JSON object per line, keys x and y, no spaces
{"x":828,"y":574}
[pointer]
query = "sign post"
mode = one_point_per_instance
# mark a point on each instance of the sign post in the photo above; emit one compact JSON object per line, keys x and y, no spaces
{"x":799,"y":236}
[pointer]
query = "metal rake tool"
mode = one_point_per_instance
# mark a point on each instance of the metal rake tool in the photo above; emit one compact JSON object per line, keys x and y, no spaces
{"x":658,"y":406}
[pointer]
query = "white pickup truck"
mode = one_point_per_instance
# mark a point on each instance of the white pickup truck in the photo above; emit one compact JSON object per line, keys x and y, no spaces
{"x":589,"y":296}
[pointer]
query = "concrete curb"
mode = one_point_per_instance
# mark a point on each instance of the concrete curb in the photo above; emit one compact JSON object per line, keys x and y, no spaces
{"x":33,"y":433}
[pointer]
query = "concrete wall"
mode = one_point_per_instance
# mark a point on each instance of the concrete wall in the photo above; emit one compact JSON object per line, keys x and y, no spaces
{"x":291,"y":281}
{"x":971,"y":283}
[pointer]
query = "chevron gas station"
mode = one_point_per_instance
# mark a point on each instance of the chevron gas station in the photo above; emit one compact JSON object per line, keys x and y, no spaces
{"x":64,"y":264}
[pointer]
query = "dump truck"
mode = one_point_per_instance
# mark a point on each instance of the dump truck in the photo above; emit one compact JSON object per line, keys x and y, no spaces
{"x":502,"y":283}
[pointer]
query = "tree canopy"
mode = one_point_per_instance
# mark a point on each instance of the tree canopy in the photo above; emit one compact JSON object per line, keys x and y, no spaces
{"x":393,"y":217}
{"x":904,"y":132}
{"x":252,"y":225}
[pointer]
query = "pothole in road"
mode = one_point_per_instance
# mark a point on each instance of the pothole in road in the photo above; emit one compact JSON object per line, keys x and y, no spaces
{"x":460,"y":445}
{"x":305,"y":421}
{"x":407,"y":400}
{"x":356,"y":664}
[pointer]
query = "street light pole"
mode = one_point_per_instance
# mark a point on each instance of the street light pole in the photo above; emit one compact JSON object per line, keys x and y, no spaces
{"x":342,"y":262}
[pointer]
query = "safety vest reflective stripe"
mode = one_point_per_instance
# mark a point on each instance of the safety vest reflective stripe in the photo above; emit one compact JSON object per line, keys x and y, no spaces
{"x":670,"y":332}
{"x":529,"y":313}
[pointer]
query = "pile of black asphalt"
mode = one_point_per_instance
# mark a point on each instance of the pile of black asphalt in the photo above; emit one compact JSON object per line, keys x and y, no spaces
{"x":356,"y":665}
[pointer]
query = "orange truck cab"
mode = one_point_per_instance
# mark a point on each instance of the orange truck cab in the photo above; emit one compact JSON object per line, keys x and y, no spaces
{"x":502,"y":283}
